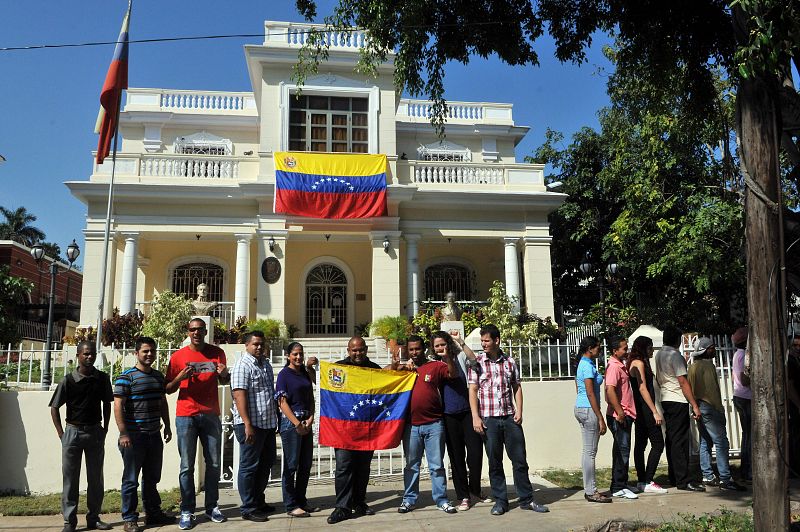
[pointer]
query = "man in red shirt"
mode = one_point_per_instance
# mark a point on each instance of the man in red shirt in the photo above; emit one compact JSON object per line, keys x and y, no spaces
{"x":425,"y":431}
{"x":195,"y":371}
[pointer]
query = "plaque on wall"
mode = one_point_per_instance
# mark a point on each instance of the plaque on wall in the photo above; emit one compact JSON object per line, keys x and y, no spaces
{"x":271,"y":270}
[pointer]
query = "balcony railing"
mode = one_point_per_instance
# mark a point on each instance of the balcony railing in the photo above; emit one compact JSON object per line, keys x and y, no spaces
{"x":457,"y":112}
{"x":187,"y":101}
{"x":296,"y":35}
{"x":182,"y":166}
{"x":445,"y":174}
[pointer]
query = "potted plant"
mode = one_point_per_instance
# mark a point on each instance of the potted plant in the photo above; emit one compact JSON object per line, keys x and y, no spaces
{"x":393,"y":329}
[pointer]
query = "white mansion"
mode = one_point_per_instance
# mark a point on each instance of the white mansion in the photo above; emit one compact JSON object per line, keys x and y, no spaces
{"x":194,"y":199}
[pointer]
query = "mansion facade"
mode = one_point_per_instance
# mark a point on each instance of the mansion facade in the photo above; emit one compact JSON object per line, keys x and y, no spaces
{"x":195,"y":184}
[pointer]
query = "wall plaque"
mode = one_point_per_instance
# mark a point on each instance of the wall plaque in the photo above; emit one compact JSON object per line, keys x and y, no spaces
{"x":271,"y":270}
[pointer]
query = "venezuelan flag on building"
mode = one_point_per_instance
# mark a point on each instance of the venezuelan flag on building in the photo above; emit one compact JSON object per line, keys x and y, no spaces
{"x":363,"y":409}
{"x":110,"y":96}
{"x":330,"y":185}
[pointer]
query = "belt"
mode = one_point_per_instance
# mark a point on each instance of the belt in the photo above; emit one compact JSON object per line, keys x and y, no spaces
{"x":83,"y":427}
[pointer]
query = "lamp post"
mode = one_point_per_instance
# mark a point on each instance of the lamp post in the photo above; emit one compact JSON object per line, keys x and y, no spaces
{"x":37,"y":252}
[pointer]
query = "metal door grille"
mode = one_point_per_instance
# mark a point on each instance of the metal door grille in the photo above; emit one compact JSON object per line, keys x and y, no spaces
{"x":443,"y":278}
{"x":326,"y":300}
{"x":186,"y":278}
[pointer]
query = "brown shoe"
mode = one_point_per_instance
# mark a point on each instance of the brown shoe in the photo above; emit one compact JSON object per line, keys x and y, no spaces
{"x":597,"y":497}
{"x":131,"y":526}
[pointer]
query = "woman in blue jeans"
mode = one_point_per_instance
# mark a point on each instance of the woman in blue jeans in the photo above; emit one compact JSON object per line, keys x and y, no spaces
{"x":587,"y":412}
{"x":294,"y":392}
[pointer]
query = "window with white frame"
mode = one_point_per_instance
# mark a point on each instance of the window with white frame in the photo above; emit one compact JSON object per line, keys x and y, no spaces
{"x":328,"y":124}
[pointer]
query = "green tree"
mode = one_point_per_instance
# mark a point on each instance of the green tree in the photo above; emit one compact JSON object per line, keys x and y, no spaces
{"x":12,"y":293}
{"x":17,"y":227}
{"x":167,"y":320}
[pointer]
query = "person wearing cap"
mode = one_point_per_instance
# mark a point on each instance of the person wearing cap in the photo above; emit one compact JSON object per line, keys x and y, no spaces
{"x":705,"y":385}
{"x":742,"y":398}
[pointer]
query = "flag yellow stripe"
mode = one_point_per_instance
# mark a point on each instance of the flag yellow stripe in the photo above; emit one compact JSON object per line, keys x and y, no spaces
{"x":330,"y":164}
{"x":353,"y":379}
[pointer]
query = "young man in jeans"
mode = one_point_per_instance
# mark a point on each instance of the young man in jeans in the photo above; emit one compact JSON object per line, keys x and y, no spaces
{"x":140,"y":407}
{"x":494,"y":387}
{"x":196,"y":370}
{"x":620,"y":416}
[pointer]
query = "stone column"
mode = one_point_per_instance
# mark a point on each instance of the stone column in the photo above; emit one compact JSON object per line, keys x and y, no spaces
{"x":385,"y":274}
{"x":242,"y":293}
{"x":127,"y":297}
{"x":271,"y":297}
{"x":412,"y":274}
{"x":538,"y":275}
{"x":512,"y":270}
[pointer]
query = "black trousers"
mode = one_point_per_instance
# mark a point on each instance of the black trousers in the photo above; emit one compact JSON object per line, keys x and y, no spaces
{"x":646,"y":430}
{"x":465,"y":449}
{"x":676,"y":417}
{"x":744,"y":409}
{"x":352,"y":477}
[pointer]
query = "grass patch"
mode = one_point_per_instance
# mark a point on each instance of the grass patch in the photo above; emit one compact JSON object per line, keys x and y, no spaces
{"x":723,"y":520}
{"x":51,"y":504}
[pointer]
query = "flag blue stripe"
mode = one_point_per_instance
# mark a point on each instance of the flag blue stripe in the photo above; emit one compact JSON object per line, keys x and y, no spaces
{"x":331,"y":184}
{"x":364,"y":407}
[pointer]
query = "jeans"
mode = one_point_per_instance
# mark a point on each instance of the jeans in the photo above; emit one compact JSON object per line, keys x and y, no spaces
{"x":620,"y":452}
{"x":255,"y":462}
{"x":427,"y":438}
{"x":143,"y":456}
{"x":676,"y":417}
{"x":590,"y":432}
{"x":646,"y":430}
{"x":502,"y":431}
{"x":352,"y":477}
{"x":75,"y":444}
{"x":712,"y":432}
{"x":298,"y":454}
{"x":460,"y":436}
{"x":208,"y":429}
{"x":743,"y":408}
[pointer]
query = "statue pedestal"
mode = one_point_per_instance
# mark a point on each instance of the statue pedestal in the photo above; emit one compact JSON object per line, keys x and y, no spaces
{"x":448,"y":326}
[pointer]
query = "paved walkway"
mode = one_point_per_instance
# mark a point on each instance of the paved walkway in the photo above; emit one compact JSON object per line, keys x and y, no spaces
{"x":568,"y":511}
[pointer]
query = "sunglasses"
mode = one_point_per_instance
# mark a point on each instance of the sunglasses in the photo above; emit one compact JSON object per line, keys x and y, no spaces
{"x":195,"y":329}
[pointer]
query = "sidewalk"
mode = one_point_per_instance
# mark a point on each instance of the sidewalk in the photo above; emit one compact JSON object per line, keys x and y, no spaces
{"x":568,"y":511}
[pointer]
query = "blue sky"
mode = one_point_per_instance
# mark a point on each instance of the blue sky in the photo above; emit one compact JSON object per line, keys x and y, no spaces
{"x":49,"y":98}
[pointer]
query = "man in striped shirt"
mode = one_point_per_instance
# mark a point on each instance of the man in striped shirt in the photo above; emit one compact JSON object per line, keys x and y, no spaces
{"x":255,"y":418}
{"x":494,"y":387}
{"x":140,"y":407}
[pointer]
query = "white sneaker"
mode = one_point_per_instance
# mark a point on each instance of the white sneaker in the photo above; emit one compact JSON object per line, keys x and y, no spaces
{"x":625,"y":494}
{"x":654,"y":488}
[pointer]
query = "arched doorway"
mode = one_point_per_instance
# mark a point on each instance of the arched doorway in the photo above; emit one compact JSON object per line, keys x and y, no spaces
{"x":326,"y":300}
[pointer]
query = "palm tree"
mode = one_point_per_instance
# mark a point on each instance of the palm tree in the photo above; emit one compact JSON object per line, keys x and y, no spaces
{"x":17,"y":227}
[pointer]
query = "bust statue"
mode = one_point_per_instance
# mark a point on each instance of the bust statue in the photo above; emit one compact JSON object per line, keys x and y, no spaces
{"x":202,"y":306}
{"x":451,"y":311}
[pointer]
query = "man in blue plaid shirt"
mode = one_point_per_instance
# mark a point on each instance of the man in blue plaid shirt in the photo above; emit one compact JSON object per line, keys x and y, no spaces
{"x":254,"y":422}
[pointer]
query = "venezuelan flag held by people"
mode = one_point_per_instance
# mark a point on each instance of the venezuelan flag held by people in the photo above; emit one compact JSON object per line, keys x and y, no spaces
{"x":363,"y":409}
{"x":330,"y":185}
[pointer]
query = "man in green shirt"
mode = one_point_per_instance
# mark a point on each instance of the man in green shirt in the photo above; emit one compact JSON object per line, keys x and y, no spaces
{"x":711,"y":425}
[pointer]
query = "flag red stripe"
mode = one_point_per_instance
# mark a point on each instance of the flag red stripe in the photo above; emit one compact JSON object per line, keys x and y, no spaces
{"x":331,"y":205}
{"x":360,"y":435}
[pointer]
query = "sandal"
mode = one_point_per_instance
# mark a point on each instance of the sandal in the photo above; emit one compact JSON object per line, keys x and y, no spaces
{"x":597,"y":497}
{"x":312,"y":509}
{"x":298,"y":512}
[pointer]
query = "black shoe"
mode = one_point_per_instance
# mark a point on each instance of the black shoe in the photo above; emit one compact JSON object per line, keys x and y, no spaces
{"x":362,"y":509}
{"x":538,"y":508}
{"x":258,"y":516}
{"x":266,"y":508}
{"x":158,"y":519}
{"x":730,"y":485}
{"x":713,"y":481}
{"x":69,"y":528}
{"x":691,"y":486}
{"x":338,"y":515}
{"x":498,"y":509}
{"x":98,"y":525}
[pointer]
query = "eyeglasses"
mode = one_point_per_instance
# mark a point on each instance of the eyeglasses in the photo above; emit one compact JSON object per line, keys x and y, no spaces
{"x":195,"y":329}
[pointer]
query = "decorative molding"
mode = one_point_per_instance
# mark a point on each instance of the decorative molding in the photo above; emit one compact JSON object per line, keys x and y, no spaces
{"x":203,"y":140}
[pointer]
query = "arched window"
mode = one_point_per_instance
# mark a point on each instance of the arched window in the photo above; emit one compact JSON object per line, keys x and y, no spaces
{"x":326,"y":300}
{"x":446,"y":277}
{"x":186,"y":277}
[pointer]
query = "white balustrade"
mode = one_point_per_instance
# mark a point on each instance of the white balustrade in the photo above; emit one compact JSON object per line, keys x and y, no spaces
{"x":298,"y":35}
{"x":462,"y":174}
{"x":474,"y":112}
{"x":182,"y":166}
{"x":174,"y":100}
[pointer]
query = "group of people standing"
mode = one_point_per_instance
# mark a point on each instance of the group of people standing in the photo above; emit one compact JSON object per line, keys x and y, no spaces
{"x":684,"y":392}
{"x":460,"y":401}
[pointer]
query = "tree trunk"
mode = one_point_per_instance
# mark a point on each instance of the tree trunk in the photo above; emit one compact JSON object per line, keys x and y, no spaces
{"x":759,"y":127}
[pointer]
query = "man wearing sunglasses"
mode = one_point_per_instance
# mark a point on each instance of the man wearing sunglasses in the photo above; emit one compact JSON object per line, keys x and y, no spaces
{"x":195,"y":371}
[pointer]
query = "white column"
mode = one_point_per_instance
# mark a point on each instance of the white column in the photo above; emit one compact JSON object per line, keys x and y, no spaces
{"x":412,"y":274}
{"x":242,"y":293}
{"x":512,"y":270}
{"x":127,"y":300}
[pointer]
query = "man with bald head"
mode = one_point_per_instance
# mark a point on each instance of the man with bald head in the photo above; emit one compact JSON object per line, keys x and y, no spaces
{"x":352,"y":467}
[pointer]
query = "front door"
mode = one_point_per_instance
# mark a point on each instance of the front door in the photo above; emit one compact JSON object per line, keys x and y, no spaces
{"x":326,"y":301}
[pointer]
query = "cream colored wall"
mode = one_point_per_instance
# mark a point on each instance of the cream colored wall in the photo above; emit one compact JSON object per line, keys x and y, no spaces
{"x":357,"y":256}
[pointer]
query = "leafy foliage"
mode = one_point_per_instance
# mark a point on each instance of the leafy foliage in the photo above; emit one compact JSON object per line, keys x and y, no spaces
{"x":12,"y":292}
{"x":168,"y":317}
{"x":272,"y":328}
{"x":17,"y":227}
{"x":513,"y":327}
{"x":390,"y":327}
{"x":122,"y":331}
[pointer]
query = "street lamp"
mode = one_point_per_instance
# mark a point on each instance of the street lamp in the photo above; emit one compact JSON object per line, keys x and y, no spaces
{"x":612,"y":269}
{"x":37,"y":252}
